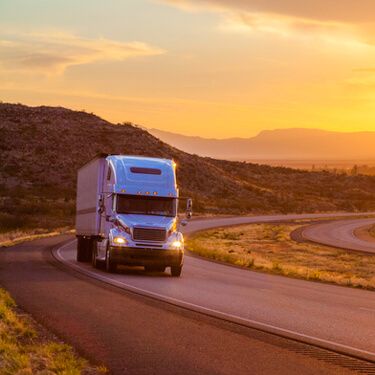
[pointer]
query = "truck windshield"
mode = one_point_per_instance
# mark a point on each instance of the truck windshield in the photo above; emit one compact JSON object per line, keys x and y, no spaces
{"x":141,"y":205}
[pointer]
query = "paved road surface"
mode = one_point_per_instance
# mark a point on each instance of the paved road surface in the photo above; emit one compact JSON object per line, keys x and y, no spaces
{"x":340,"y":234}
{"x":329,"y":315}
{"x":137,"y":335}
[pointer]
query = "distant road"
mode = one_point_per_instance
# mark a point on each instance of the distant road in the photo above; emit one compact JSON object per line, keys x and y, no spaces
{"x":212,"y":222}
{"x":110,"y":319}
{"x":341,"y":234}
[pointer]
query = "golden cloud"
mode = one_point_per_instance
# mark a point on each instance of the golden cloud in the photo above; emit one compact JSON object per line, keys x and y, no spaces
{"x":348,"y":18}
{"x":52,"y":53}
{"x":347,"y":11}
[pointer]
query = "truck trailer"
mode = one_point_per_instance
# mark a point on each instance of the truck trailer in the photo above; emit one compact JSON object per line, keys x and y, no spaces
{"x":127,"y":213}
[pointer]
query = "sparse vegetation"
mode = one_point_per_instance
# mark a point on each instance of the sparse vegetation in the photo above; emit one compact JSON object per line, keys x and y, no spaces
{"x":17,"y":236}
{"x":350,"y":169}
{"x":268,"y":248}
{"x":25,"y":350}
{"x":42,"y":148}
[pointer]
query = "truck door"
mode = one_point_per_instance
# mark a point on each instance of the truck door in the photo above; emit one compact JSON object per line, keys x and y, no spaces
{"x":107,"y":197}
{"x":105,"y":224}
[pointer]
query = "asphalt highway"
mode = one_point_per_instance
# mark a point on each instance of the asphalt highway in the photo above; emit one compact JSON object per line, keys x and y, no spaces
{"x":340,"y":234}
{"x":332,"y":316}
{"x":206,"y":325}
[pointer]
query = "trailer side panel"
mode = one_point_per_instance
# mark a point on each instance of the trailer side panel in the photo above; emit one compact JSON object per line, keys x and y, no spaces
{"x":89,"y":186}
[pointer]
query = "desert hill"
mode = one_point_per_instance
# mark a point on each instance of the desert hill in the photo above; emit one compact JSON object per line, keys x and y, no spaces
{"x":41,"y":149}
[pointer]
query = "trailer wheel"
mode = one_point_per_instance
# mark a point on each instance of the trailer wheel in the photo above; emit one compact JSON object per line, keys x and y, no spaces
{"x":89,"y":249}
{"x":84,"y":249}
{"x":176,"y":271}
{"x":81,"y":249}
{"x":110,"y":265}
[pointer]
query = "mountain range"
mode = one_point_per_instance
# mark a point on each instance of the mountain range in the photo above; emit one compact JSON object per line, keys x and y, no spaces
{"x":280,"y":144}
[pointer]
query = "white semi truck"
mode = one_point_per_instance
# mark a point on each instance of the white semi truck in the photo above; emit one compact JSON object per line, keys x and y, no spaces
{"x":127,"y":213}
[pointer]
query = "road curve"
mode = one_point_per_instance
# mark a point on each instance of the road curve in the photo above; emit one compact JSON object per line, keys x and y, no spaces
{"x":330,"y":316}
{"x":133,"y":334}
{"x":340,"y":233}
{"x":203,"y":224}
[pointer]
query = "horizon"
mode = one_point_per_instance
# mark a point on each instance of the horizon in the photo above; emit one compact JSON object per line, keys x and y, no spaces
{"x":279,"y":149}
{"x":257,"y":134}
{"x":216,"y":68}
{"x":196,"y":135}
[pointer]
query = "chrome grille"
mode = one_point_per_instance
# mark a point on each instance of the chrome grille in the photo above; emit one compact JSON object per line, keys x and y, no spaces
{"x":149,"y":234}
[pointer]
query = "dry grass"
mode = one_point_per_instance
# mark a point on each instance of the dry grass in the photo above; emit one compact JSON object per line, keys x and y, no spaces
{"x":15,"y":237}
{"x":268,"y":248}
{"x":24,"y":350}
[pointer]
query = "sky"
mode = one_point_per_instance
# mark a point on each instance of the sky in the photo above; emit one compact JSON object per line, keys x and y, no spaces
{"x":211,"y":68}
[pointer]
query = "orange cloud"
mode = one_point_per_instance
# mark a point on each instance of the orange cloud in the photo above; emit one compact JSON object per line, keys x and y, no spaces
{"x":52,"y":53}
{"x":346,"y":11}
{"x":323,"y":17}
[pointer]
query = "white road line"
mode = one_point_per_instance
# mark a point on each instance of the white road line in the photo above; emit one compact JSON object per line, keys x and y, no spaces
{"x":331,"y":345}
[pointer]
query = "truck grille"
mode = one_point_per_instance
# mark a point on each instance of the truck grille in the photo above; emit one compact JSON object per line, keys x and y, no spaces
{"x":146,"y":234}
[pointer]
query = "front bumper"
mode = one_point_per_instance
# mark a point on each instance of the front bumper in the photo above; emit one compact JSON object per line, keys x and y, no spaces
{"x":146,"y":256}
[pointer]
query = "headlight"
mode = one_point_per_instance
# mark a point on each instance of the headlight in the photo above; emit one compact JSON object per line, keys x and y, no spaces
{"x":177,"y":244}
{"x":119,"y":241}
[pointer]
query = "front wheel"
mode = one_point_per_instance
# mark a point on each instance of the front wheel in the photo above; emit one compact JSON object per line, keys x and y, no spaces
{"x":176,"y":271}
{"x":110,"y":265}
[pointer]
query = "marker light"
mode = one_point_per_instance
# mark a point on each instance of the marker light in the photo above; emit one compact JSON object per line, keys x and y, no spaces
{"x":119,"y":240}
{"x":177,"y":244}
{"x":173,"y":228}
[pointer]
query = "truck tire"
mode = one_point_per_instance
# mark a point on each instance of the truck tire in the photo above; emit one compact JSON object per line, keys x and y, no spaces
{"x":81,"y":249}
{"x":94,"y":260}
{"x":84,"y":249}
{"x":110,"y":265}
{"x":176,"y":271}
{"x":89,"y":249}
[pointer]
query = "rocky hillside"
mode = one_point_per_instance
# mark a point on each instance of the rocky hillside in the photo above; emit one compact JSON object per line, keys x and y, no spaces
{"x":41,"y":149}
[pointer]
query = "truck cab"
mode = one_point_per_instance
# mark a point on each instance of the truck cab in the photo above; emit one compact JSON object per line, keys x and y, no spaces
{"x":135,"y":221}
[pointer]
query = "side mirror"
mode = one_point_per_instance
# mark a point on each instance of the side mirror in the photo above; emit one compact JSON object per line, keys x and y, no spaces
{"x":184,"y":223}
{"x":189,"y":208}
